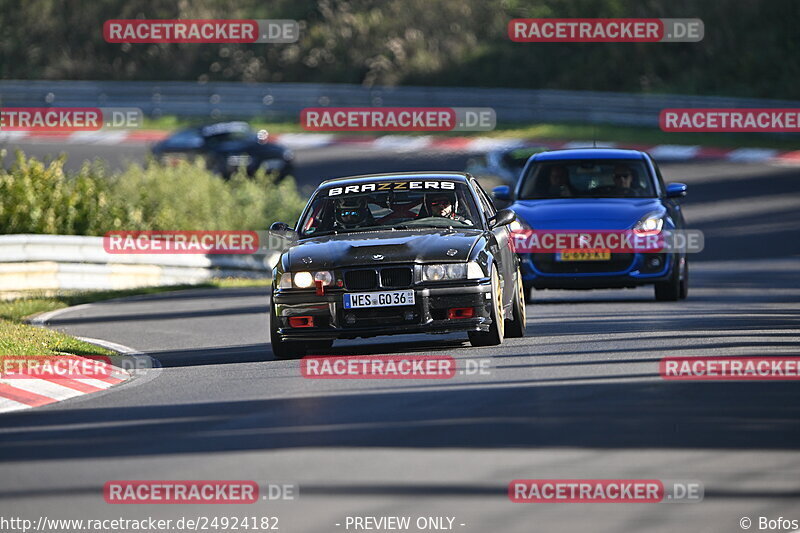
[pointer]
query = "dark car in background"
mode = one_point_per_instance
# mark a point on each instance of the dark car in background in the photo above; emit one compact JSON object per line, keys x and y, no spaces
{"x":599,"y":190}
{"x":502,"y":166}
{"x":226,"y":147}
{"x":394,"y":254}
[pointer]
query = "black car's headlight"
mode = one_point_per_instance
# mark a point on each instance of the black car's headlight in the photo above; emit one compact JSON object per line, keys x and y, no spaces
{"x":451,"y":271}
{"x":305,"y":280}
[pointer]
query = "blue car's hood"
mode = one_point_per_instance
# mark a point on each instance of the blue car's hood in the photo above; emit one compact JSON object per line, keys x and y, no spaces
{"x":586,"y":213}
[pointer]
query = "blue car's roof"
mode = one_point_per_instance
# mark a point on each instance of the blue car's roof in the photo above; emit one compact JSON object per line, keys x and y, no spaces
{"x":589,"y":153}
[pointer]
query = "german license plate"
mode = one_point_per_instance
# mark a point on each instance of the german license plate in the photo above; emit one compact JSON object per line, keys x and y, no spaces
{"x":584,"y":255}
{"x":358,"y":300}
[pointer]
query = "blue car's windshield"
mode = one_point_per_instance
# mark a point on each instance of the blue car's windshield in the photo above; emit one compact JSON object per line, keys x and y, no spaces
{"x":606,"y":178}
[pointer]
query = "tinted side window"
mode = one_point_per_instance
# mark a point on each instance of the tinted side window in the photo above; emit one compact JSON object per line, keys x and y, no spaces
{"x":486,"y":202}
{"x":658,"y":175}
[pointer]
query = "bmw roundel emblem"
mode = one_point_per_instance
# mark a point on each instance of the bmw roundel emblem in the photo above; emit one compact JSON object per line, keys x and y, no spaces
{"x":377,"y":257}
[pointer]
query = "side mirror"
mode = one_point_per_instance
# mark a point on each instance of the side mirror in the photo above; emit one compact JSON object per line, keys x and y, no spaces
{"x":282,"y":230}
{"x":676,"y":190}
{"x":502,"y":218}
{"x":502,"y":193}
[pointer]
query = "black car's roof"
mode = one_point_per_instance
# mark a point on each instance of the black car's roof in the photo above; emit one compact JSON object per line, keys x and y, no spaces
{"x":366,"y":178}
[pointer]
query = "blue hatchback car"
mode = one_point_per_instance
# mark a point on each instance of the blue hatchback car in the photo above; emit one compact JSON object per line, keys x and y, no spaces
{"x":601,"y":190}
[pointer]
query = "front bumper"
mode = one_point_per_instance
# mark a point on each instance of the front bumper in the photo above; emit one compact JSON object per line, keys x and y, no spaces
{"x":428,"y":314}
{"x":632,"y":270}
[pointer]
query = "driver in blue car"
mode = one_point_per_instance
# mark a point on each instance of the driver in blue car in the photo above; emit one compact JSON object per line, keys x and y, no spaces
{"x":623,"y":181}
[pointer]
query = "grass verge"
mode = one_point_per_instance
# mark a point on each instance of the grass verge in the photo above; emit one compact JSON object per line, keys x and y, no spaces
{"x":18,"y":338}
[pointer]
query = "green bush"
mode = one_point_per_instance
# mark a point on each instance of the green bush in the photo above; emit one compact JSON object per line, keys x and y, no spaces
{"x":42,"y":198}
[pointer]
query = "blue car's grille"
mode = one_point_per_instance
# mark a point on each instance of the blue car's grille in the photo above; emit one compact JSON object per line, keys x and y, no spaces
{"x":547,"y":264}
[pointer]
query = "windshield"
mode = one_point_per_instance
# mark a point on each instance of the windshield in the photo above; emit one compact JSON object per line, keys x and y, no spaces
{"x":607,"y":178}
{"x":390,"y":205}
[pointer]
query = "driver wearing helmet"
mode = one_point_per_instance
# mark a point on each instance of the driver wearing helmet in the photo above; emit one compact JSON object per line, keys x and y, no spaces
{"x":445,"y":205}
{"x":352,"y":213}
{"x":402,"y":207}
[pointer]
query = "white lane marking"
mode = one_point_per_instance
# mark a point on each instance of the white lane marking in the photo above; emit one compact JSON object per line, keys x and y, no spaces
{"x":402,"y":142}
{"x":96,"y":383}
{"x":589,"y":144}
{"x":305,"y":140}
{"x":490,"y":143}
{"x":43,"y":318}
{"x":751,"y":155}
{"x":98,"y":137}
{"x":12,"y":135}
{"x":44,"y":388}
{"x":7,"y":405}
{"x":674,"y":151}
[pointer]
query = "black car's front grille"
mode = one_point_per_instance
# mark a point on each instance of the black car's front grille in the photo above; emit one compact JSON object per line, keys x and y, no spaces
{"x":361,"y":279}
{"x":390,"y":278}
{"x":547,"y":264}
{"x":396,"y":277}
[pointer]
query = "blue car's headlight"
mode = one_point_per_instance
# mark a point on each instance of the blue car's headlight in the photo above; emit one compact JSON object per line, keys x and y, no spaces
{"x":650,"y":224}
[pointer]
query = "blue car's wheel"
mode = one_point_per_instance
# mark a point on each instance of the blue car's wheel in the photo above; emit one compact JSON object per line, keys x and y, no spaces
{"x":671,"y":290}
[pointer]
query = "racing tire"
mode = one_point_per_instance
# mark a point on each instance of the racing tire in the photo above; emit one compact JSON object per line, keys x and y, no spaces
{"x":684,"y":293}
{"x":670,"y":291}
{"x":282,"y":349}
{"x":528,"y":291}
{"x":496,"y":332}
{"x":515,"y":328}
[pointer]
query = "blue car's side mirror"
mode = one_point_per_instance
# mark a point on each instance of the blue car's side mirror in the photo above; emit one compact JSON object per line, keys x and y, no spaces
{"x":676,"y":190}
{"x":502,"y":193}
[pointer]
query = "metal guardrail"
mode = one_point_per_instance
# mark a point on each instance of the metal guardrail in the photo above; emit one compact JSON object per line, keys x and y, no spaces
{"x":57,"y":262}
{"x":282,"y":101}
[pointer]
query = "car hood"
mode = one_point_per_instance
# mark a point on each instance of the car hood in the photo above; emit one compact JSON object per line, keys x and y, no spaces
{"x":586,"y":213}
{"x":359,"y":249}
